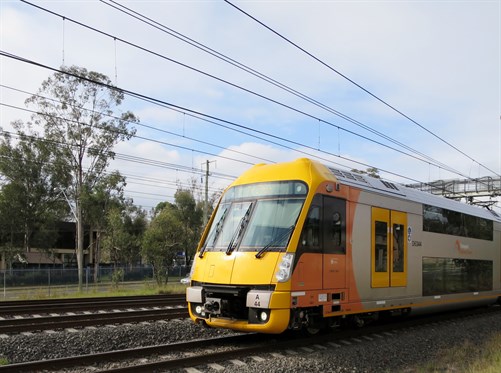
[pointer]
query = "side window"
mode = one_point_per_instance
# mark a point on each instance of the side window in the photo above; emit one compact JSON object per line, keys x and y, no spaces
{"x":398,"y":247}
{"x":325,"y":227}
{"x":381,"y":247}
{"x":334,"y":225}
{"x":310,"y":236}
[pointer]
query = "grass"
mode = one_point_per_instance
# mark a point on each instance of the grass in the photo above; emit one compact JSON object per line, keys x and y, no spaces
{"x":467,"y":358}
{"x":3,"y":361}
{"x":100,"y":290}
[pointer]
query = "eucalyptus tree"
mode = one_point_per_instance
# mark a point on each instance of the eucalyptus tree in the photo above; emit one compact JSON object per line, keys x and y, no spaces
{"x":370,"y":171}
{"x":31,"y":202}
{"x":190,"y":214}
{"x":10,"y":235}
{"x":125,"y":227}
{"x":107,"y":194}
{"x":174,"y":229}
{"x":162,"y":240}
{"x":78,"y":112}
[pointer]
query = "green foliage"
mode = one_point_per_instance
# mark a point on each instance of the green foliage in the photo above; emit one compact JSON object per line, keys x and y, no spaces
{"x":31,"y":190}
{"x":161,"y":241}
{"x":175,"y":228}
{"x":117,"y":277}
{"x":76,"y":108}
{"x":4,"y":361}
{"x":371,"y":171}
{"x":125,"y":226}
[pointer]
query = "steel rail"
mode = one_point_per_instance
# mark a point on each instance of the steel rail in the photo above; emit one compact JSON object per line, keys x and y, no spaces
{"x":105,"y":357}
{"x":249,"y":345}
{"x":81,"y":304}
{"x":81,"y":320}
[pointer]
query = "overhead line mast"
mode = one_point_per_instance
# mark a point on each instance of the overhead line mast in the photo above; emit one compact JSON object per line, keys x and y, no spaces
{"x":464,"y":188}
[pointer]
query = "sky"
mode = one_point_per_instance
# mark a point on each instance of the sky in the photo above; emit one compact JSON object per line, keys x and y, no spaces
{"x":412,"y":88}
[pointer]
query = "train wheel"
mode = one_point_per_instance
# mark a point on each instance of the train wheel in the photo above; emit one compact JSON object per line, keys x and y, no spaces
{"x":333,"y":323}
{"x":357,"y":322}
{"x":311,"y":331}
{"x":314,"y":326}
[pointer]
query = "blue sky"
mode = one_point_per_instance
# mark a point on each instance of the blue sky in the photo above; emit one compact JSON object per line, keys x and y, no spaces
{"x":436,"y":61}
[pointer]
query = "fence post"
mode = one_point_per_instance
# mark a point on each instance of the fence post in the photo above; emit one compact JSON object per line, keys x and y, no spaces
{"x":4,"y":283}
{"x":48,"y":275}
{"x":87,"y":278}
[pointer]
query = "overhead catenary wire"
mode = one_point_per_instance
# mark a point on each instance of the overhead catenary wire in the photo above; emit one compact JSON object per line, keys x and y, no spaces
{"x":254,"y":72}
{"x":408,"y":178}
{"x":141,"y":125}
{"x":147,"y":139}
{"x":138,"y":160}
{"x":149,"y":21}
{"x":426,"y":159}
{"x":359,"y":86}
{"x":6,"y":54}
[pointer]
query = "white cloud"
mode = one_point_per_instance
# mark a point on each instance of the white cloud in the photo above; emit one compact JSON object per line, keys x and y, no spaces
{"x":438,"y":62}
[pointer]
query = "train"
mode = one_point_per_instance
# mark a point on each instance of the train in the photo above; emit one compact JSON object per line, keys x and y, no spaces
{"x":303,"y":246}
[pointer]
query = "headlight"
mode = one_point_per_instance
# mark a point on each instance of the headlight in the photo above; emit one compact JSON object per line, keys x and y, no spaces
{"x":264,"y":316}
{"x":285,"y":268}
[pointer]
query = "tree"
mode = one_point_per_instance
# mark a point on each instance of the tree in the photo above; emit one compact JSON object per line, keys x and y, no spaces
{"x":161,"y":241}
{"x":75,"y":108}
{"x":174,"y":229}
{"x":371,"y":171}
{"x":32,"y":200}
{"x":190,"y":213}
{"x":96,"y":203}
{"x":125,"y":226}
{"x":10,"y":245}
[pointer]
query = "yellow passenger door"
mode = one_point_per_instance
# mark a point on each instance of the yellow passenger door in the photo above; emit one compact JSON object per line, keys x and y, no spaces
{"x":388,"y":248}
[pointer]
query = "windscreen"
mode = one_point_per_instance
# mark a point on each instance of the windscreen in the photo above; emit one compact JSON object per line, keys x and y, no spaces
{"x":256,"y":216}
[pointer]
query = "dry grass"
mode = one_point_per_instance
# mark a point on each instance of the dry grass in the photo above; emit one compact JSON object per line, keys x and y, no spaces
{"x":101,"y":290}
{"x":467,"y":358}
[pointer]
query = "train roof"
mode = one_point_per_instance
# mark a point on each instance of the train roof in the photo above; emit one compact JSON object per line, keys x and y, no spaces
{"x":397,"y":190}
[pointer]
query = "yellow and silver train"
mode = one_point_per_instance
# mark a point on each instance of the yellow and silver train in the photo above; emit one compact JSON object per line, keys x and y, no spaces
{"x":299,"y":245}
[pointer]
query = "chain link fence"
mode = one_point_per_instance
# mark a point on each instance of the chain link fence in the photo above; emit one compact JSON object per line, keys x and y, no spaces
{"x":48,"y":280}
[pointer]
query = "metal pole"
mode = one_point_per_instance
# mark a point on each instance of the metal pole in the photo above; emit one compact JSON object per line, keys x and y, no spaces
{"x":206,"y":207}
{"x":87,"y":278}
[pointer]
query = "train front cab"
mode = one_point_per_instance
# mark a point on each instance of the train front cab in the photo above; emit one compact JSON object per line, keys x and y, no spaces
{"x":314,"y":283}
{"x":241,"y":273}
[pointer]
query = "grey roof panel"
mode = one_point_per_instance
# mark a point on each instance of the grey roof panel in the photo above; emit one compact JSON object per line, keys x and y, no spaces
{"x":397,"y":190}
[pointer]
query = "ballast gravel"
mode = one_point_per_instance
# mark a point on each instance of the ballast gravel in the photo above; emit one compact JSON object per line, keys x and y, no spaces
{"x":400,"y":351}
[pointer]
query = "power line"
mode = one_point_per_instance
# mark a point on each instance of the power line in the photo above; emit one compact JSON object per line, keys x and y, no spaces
{"x":139,"y":124}
{"x":142,"y":138}
{"x":359,"y":86}
{"x":430,"y":160}
{"x":233,"y":62}
{"x":153,"y":100}
{"x":138,"y":160}
{"x":260,"y":75}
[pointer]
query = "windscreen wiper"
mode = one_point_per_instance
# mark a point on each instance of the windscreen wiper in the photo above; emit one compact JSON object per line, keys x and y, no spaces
{"x":241,"y":225}
{"x":275,"y":241}
{"x":219,"y":226}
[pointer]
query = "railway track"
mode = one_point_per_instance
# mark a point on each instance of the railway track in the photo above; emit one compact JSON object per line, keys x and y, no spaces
{"x":203,"y":353}
{"x":141,"y":352}
{"x":88,"y":304}
{"x":91,"y":312}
